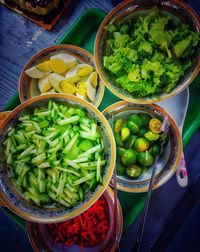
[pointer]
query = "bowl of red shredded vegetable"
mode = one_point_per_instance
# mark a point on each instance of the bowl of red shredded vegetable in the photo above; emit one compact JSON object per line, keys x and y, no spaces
{"x":93,"y":230}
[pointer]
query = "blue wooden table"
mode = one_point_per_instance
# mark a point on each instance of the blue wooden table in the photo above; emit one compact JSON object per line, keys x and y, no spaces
{"x":20,"y":39}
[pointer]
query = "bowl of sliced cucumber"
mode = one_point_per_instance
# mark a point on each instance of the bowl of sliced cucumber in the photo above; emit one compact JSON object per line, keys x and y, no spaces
{"x":57,"y":157}
{"x":64,"y":69}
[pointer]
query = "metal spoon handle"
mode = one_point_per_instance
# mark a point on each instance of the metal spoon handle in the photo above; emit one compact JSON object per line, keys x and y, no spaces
{"x":164,"y":128}
{"x":146,"y":207}
{"x":115,"y":210}
{"x":115,"y":199}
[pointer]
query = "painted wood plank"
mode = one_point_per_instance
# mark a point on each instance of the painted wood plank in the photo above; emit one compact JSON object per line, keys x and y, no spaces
{"x":20,"y":39}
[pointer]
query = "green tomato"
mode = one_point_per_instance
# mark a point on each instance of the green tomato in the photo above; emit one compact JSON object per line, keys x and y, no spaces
{"x":133,"y":127}
{"x":142,"y":131}
{"x":136,"y":119}
{"x":129,"y":157}
{"x":141,"y":144}
{"x":152,"y":137}
{"x":145,"y":118}
{"x":130,"y":141}
{"x":133,"y":171}
{"x":120,"y":168}
{"x":145,"y":159}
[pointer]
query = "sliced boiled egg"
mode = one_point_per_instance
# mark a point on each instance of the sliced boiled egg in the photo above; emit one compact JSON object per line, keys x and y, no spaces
{"x":81,"y":91}
{"x":90,"y":83}
{"x":57,"y":66}
{"x":34,"y":72}
{"x":94,"y":79}
{"x":68,"y":59}
{"x":44,"y":84}
{"x":55,"y":80}
{"x":67,"y":87}
{"x":51,"y":91}
{"x":79,"y":71}
{"x":44,"y":66}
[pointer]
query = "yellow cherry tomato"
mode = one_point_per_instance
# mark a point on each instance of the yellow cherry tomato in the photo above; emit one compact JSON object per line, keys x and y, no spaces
{"x":155,"y":125}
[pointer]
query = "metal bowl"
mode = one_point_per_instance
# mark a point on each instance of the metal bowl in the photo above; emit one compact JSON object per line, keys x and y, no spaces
{"x":180,"y":12}
{"x":167,"y":164}
{"x":29,"y":88}
{"x":16,"y":201}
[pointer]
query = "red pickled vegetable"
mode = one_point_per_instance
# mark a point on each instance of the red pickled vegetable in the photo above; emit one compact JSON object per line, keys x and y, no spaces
{"x":85,"y":230}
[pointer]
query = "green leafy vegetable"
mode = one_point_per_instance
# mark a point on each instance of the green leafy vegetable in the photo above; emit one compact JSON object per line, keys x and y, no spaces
{"x":148,"y":55}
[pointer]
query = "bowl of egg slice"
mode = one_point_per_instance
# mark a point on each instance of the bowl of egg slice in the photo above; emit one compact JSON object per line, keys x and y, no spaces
{"x":66,"y":69}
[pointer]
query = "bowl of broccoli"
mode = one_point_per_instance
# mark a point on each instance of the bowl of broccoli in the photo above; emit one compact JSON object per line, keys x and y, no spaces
{"x":146,"y":51}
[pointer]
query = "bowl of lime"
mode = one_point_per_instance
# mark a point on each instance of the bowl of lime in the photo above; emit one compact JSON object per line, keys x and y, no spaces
{"x":138,"y":135}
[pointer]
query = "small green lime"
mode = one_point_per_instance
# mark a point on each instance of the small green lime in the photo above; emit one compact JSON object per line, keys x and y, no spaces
{"x":144,"y":158}
{"x":118,"y":125}
{"x":155,"y":125}
{"x":120,"y":168}
{"x":145,"y":118}
{"x":85,"y":144}
{"x":152,"y":137}
{"x":141,"y":144}
{"x":120,"y":151}
{"x":155,"y":148}
{"x":130,"y":141}
{"x":133,"y":171}
{"x":142,"y":131}
{"x":136,"y":119}
{"x":118,"y":139}
{"x":129,"y":157}
{"x":125,"y":133}
{"x":133,"y":127}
